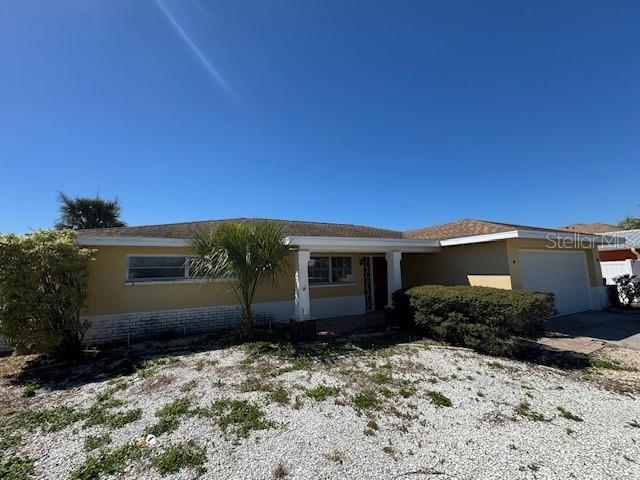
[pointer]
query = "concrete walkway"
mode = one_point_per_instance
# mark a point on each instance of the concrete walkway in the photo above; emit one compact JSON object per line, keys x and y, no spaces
{"x":589,"y":331}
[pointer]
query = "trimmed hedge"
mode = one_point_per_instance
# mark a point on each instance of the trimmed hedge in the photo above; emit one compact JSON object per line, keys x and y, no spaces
{"x":489,"y":320}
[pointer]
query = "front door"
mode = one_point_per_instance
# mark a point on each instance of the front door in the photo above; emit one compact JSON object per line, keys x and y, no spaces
{"x":379,"y":282}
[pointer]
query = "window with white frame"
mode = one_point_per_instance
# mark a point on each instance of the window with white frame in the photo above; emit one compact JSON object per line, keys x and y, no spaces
{"x":330,"y":270}
{"x":161,"y":268}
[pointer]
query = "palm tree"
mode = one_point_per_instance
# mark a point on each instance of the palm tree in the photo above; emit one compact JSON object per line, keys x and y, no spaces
{"x":85,"y":212}
{"x":246,"y":254}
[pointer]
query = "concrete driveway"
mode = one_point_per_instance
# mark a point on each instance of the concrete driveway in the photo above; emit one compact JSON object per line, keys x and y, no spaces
{"x":589,"y":331}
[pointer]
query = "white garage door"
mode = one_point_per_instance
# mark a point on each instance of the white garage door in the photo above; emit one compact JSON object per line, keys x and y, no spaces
{"x":563,"y":273}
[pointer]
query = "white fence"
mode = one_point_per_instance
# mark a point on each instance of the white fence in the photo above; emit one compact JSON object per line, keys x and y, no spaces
{"x":611,"y":270}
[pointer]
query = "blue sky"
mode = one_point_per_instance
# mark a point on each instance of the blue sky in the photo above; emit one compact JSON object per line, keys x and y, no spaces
{"x":393,"y":114}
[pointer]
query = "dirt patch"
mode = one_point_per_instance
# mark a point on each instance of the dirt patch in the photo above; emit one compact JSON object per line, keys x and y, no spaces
{"x":155,"y":383}
{"x":12,"y":365}
{"x":616,"y":368}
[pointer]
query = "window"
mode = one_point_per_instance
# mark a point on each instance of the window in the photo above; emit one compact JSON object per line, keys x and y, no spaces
{"x":327,"y":270}
{"x":158,"y":269}
{"x":319,"y":270}
{"x":341,"y":270}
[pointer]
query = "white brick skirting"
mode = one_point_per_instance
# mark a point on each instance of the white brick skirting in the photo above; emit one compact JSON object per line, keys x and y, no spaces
{"x":127,"y":327}
{"x":132,"y":326}
{"x":599,"y":298}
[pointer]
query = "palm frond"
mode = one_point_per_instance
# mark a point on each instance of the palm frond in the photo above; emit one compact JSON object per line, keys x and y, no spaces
{"x":246,"y":254}
{"x":83,"y":212}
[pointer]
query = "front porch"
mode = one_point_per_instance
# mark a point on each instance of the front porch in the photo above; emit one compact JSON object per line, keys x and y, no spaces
{"x":364,"y":283}
{"x":342,"y":277}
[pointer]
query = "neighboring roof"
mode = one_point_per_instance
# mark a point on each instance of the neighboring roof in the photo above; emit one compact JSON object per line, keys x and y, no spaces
{"x":469,"y":227}
{"x":590,"y":227}
{"x":630,"y":239}
{"x":186,"y":230}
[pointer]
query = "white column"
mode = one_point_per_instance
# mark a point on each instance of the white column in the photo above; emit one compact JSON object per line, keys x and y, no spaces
{"x":302,"y":310}
{"x":394,"y":275}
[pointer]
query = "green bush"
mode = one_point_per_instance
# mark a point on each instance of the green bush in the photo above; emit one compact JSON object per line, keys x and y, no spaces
{"x":489,"y":320}
{"x":43,"y":287}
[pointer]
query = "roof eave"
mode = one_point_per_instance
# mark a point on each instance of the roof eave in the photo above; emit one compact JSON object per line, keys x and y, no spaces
{"x":129,"y":241}
{"x":363,"y":244}
{"x":325,"y":244}
{"x":527,"y":235}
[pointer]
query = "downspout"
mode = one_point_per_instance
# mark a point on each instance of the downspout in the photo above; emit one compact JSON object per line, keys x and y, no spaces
{"x":635,"y":252}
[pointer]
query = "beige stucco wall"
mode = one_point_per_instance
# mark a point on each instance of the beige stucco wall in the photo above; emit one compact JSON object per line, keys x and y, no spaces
{"x":494,"y":281}
{"x":482,"y":264}
{"x":491,"y":264}
{"x":109,"y":293}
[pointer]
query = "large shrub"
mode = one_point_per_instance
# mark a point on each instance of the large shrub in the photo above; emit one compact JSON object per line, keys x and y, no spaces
{"x":489,"y":320}
{"x":43,"y":287}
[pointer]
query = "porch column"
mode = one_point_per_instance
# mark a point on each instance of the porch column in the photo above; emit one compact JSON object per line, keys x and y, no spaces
{"x":394,"y":275}
{"x":302,"y":309}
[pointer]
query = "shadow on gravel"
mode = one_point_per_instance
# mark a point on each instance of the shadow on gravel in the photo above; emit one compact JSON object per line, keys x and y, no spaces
{"x":562,"y":359}
{"x":108,"y":362}
{"x":328,"y":350}
{"x":103,"y":364}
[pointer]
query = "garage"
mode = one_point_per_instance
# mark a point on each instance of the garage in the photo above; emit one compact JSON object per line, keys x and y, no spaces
{"x":563,"y":273}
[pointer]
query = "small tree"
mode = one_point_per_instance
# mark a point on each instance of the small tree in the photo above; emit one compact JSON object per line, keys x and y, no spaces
{"x":245,"y":254}
{"x":629,"y":223}
{"x":84,"y":212}
{"x":43,"y":287}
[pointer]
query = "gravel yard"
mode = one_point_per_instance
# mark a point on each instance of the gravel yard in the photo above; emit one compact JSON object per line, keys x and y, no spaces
{"x":362,"y":408}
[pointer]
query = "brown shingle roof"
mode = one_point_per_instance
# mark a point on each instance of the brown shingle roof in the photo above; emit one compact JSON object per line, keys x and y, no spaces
{"x":466,"y":228}
{"x":591,"y":227}
{"x":295,"y":228}
{"x":457,"y":229}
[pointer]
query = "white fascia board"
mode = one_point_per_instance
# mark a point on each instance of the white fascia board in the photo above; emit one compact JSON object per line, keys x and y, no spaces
{"x":582,"y":238}
{"x":365,"y":245}
{"x":324,"y":244}
{"x":524,"y":234}
{"x":370,"y":245}
{"x":487,"y":237}
{"x":105,"y":241}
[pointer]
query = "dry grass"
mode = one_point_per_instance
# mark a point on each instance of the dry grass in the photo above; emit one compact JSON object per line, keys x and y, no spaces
{"x":336,"y":456}
{"x":156,"y":383}
{"x":281,"y":471}
{"x":625,"y":379}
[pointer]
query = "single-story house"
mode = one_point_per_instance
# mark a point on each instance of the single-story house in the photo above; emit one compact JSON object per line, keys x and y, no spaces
{"x":621,"y":255}
{"x":140,"y":282}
